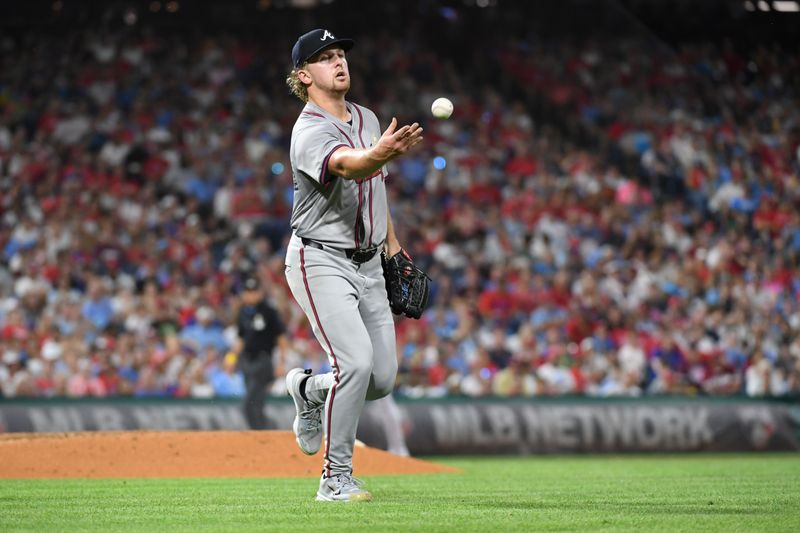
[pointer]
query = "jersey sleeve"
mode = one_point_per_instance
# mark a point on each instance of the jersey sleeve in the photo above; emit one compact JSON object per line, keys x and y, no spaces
{"x":314,"y":144}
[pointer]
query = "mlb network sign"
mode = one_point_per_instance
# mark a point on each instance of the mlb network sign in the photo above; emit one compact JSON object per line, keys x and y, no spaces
{"x":523,"y":428}
{"x":464,"y":426}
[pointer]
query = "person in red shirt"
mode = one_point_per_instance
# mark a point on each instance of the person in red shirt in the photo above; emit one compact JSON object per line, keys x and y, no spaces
{"x":497,"y":302}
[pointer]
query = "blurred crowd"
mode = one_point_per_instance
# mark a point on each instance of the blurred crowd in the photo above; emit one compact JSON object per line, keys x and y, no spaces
{"x":143,"y":177}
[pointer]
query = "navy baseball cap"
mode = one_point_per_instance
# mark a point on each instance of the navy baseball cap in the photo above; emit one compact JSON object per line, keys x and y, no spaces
{"x":316,"y":41}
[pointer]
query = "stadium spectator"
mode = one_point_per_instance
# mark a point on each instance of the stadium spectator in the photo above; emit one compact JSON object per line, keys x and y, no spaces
{"x":142,"y":181}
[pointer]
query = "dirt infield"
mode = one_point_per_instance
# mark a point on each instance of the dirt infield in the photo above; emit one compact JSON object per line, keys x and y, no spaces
{"x":176,"y":454}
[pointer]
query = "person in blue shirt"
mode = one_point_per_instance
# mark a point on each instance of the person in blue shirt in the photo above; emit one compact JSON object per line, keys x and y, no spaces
{"x":97,"y":307}
{"x":205,"y":332}
{"x":226,"y":381}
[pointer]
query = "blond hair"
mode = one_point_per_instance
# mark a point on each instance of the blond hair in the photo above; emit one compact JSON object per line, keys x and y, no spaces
{"x":297,"y":87}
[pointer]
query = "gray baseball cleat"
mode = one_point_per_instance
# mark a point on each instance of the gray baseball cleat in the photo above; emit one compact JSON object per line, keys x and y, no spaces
{"x":307,"y":424}
{"x":342,"y":488}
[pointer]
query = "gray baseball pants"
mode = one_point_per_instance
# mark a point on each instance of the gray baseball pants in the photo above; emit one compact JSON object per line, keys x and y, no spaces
{"x":347,"y":307}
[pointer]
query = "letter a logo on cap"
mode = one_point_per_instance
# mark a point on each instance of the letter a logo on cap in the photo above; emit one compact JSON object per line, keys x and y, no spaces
{"x":326,"y":35}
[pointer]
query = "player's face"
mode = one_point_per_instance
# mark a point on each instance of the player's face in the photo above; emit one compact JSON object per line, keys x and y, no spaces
{"x":329,"y":72}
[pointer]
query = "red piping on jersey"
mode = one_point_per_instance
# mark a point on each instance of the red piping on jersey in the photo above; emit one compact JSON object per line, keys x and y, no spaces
{"x":371,"y":225}
{"x":358,"y":213}
{"x":360,"y":125}
{"x":332,"y":393}
{"x":324,"y":177}
{"x":360,"y":138}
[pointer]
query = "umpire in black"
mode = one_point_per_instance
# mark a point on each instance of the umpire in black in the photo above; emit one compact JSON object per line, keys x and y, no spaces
{"x":259,"y":329}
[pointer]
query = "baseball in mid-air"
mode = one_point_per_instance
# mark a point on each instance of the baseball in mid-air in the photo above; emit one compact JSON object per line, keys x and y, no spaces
{"x":442,"y":108}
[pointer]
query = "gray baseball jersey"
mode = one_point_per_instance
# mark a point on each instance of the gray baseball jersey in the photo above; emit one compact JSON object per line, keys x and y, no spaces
{"x":345,"y":300}
{"x":344,"y":214}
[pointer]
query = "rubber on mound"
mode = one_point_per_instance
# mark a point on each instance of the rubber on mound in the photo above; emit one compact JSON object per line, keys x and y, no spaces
{"x":176,"y":454}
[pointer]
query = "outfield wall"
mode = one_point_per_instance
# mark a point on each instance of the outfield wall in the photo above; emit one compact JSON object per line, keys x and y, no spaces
{"x":459,"y":426}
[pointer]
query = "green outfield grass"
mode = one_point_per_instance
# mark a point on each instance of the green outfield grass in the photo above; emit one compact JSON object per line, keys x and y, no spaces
{"x":643,"y":493}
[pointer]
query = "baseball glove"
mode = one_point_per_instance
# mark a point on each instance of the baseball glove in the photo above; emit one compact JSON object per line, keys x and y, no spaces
{"x":407,"y":286}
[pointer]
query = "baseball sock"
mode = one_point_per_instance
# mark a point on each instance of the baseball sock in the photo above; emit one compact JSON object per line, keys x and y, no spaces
{"x":314,"y":389}
{"x":303,"y":388}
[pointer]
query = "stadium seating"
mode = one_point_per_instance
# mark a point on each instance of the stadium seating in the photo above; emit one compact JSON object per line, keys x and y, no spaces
{"x":597,"y":218}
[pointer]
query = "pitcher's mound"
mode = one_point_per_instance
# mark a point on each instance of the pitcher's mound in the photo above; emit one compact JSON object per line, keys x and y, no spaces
{"x":171,"y":454}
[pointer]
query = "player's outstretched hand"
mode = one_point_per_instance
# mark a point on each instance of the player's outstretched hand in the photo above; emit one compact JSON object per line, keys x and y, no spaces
{"x":395,"y":142}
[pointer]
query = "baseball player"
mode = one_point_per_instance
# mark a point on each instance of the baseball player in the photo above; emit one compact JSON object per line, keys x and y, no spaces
{"x":340,"y":224}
